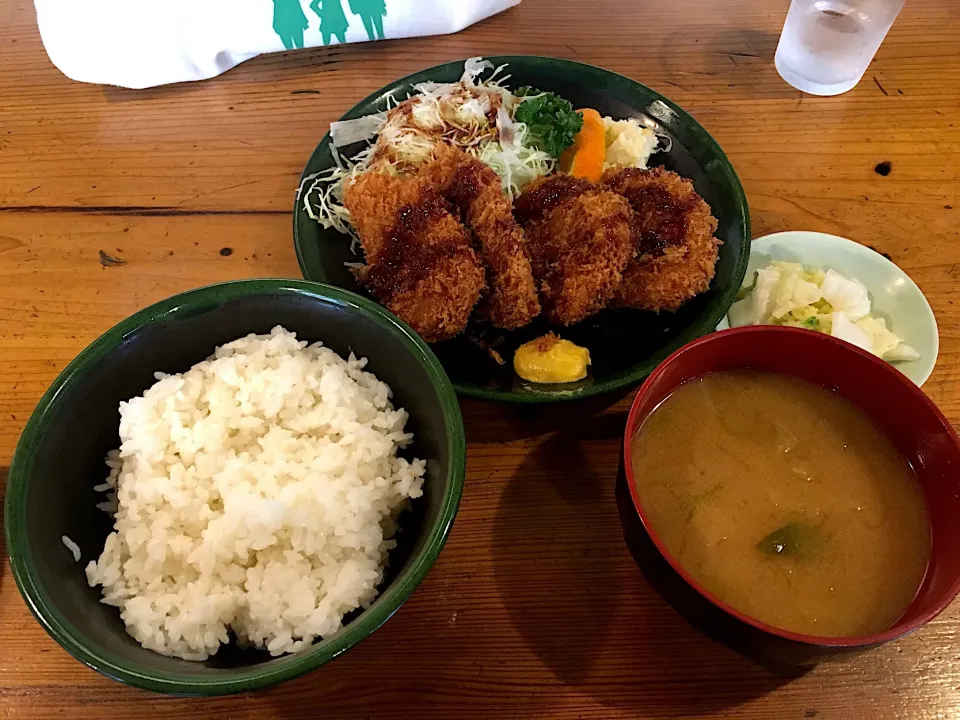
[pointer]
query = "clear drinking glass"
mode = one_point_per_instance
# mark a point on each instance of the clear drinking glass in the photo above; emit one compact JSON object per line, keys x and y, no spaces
{"x":826,"y":45}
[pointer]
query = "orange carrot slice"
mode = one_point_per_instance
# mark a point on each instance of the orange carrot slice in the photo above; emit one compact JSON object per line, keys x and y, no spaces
{"x":589,"y":150}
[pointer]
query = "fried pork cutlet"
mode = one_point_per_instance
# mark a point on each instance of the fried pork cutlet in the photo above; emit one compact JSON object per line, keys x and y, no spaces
{"x":677,"y":252}
{"x":473,"y":188}
{"x":420,"y":262}
{"x":580,"y":240}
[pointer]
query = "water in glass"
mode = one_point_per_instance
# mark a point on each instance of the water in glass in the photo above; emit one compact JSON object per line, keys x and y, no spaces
{"x":826,"y":45}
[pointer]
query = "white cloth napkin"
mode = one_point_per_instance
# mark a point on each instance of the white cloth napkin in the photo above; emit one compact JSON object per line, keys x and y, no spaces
{"x":139,"y":44}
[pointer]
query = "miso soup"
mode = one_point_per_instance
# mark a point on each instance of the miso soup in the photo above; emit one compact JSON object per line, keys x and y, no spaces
{"x":785,"y":501}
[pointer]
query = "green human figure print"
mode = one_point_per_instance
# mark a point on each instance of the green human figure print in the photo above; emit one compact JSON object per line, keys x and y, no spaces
{"x":289,"y":22}
{"x":372,"y":13}
{"x":333,"y":21}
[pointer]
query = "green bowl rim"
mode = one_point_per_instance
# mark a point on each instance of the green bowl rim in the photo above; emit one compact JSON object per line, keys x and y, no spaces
{"x":387,"y":603}
{"x":641,"y":370}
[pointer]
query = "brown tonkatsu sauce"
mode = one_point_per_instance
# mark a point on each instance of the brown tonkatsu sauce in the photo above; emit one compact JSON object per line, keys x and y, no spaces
{"x":404,"y":259}
{"x":535,"y":204}
{"x":465,"y":185}
{"x":660,"y":218}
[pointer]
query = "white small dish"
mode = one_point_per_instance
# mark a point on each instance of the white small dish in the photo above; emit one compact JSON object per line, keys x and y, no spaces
{"x":893,"y":295}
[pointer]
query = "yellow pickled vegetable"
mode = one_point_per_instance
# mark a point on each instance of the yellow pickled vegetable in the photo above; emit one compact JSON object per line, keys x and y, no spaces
{"x":549,"y":359}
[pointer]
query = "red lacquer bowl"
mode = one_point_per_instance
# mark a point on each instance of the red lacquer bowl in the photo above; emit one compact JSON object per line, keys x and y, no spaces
{"x":898,"y":407}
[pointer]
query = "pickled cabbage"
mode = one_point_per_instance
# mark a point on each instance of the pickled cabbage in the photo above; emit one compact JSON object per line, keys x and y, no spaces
{"x":828,"y":302}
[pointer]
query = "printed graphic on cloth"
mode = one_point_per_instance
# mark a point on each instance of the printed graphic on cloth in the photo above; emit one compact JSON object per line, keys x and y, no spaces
{"x":333,"y":21}
{"x":289,"y":22}
{"x":372,"y":13}
{"x":103,"y":41}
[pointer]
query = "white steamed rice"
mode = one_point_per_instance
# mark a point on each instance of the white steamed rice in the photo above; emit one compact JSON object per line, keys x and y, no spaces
{"x":72,"y":547}
{"x":255,"y":492}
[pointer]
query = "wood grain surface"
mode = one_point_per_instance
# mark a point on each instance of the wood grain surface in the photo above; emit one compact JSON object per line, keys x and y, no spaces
{"x":534,"y":609}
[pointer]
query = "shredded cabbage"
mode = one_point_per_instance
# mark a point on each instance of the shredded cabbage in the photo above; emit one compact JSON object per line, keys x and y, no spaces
{"x":516,"y":162}
{"x":319,"y":194}
{"x":347,"y":132}
{"x":473,"y":68}
{"x":475,"y":114}
{"x":828,"y":302}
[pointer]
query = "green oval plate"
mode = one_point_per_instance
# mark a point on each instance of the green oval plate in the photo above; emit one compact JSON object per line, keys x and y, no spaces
{"x":625,"y":345}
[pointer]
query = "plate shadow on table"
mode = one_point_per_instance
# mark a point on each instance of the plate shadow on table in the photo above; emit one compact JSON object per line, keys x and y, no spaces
{"x":492,"y":422}
{"x":575,"y":596}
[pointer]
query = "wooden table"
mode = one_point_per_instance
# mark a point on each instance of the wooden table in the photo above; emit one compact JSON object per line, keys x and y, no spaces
{"x":534,"y":609}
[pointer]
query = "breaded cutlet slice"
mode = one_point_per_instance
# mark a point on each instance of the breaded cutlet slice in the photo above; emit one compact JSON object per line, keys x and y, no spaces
{"x":580,"y":240}
{"x":674,"y":227}
{"x":420,"y":262}
{"x":474,"y":189}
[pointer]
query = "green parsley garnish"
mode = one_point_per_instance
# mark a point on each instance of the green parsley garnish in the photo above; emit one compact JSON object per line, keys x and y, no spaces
{"x":552,"y":121}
